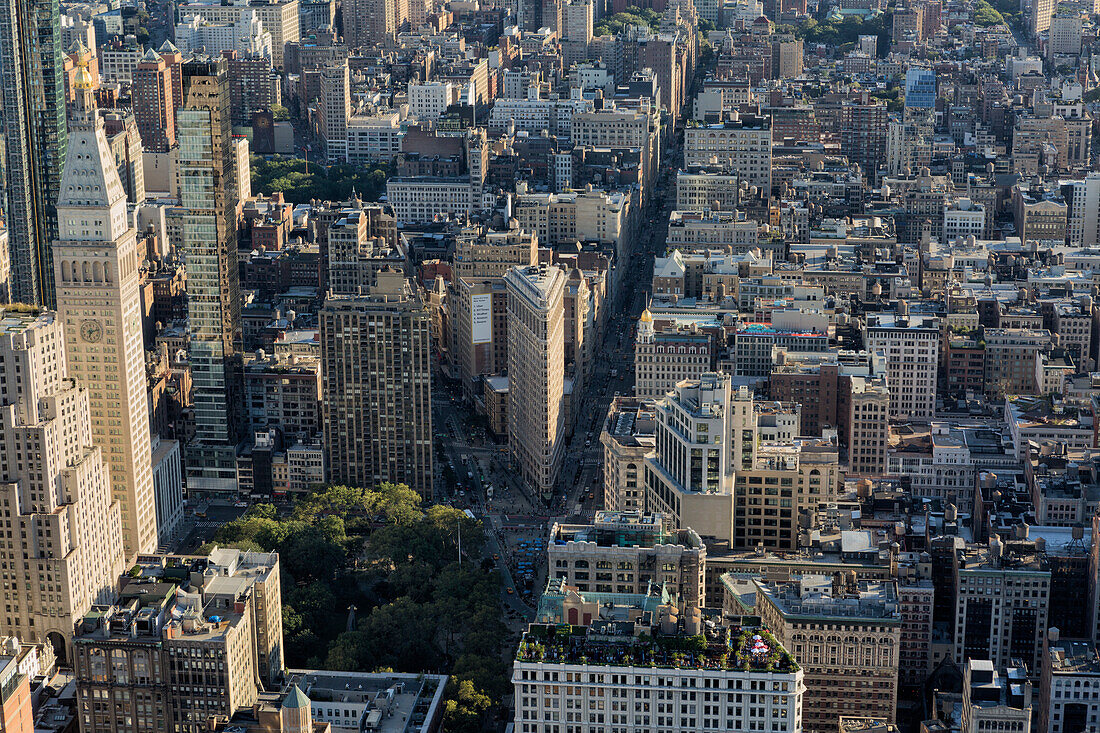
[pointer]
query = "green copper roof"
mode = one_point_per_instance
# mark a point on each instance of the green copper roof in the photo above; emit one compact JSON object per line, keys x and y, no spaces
{"x":296,"y":698}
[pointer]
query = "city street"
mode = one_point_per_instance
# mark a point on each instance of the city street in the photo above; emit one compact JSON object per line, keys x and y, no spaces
{"x":517,"y":522}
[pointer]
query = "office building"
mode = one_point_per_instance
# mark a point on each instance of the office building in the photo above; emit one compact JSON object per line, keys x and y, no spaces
{"x":920,"y":88}
{"x":625,"y":552}
{"x":741,"y":146}
{"x":1010,"y":360}
{"x":785,"y":478}
{"x":479,"y":329}
{"x":845,"y":634}
{"x":627,"y":436}
{"x":209,"y":193}
{"x":97,"y":263}
{"x":376,"y":386}
{"x":536,"y":373}
{"x":1001,"y":603}
{"x":995,"y":701}
{"x":189,"y":638}
{"x":912,"y":346}
{"x":621,"y":669}
{"x":1069,"y":692}
{"x":689,"y":477}
{"x":35,"y":140}
{"x":57,"y":495}
{"x":667,"y":357}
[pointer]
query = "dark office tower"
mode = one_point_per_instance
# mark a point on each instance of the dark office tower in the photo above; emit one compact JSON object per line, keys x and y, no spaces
{"x":208,"y":193}
{"x":32,"y":95}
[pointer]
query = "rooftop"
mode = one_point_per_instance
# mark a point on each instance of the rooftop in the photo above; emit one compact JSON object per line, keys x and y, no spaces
{"x":1074,"y":657}
{"x":821,"y":596}
{"x":645,"y":630}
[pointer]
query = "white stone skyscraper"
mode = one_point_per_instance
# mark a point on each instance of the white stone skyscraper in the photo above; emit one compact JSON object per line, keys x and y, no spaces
{"x":64,"y":552}
{"x":96,"y":269}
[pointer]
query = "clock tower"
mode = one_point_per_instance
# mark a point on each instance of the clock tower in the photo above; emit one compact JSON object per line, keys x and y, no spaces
{"x":97,"y":270}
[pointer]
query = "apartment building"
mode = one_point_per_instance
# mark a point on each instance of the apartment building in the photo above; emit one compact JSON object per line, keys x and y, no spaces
{"x":284,"y":394}
{"x":376,"y":386}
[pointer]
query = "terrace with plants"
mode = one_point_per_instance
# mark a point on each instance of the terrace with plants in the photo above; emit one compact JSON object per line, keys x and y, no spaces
{"x":746,"y":649}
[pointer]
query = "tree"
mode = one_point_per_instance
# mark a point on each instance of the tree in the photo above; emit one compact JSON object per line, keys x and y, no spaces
{"x":280,"y":113}
{"x":465,"y":708}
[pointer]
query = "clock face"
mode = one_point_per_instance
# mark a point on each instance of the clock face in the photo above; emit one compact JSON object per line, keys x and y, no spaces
{"x":91,"y":331}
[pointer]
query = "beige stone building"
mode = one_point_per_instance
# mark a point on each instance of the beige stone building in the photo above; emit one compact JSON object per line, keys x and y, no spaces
{"x":55,"y":497}
{"x":486,"y":253}
{"x":96,"y":269}
{"x":742,"y":146}
{"x":868,"y":426}
{"x":376,"y":386}
{"x":664,"y":358}
{"x":689,"y":476}
{"x":786,"y":478}
{"x":629,"y":552}
{"x":627,"y":437}
{"x":846,"y":635}
{"x":536,"y":372}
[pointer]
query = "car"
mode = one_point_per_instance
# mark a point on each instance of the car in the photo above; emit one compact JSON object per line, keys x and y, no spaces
{"x":496,"y":556}
{"x":511,"y":591}
{"x":241,"y":504}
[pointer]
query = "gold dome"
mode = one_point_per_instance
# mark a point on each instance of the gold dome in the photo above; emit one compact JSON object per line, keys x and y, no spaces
{"x":83,"y":78}
{"x":646,"y":317}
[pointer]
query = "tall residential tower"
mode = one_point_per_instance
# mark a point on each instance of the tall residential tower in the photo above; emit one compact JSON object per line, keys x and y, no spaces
{"x":377,"y":386}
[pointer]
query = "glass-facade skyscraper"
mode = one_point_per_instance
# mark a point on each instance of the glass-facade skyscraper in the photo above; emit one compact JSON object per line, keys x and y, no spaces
{"x":208,"y":193}
{"x":920,"y":88}
{"x":32,"y":108}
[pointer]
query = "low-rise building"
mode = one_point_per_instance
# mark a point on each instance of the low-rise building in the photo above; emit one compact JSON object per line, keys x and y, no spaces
{"x":625,"y":552}
{"x":627,"y":437}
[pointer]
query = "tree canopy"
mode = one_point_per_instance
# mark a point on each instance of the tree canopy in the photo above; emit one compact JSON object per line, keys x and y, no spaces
{"x":372,"y":581}
{"x":633,"y":15}
{"x":300,"y":181}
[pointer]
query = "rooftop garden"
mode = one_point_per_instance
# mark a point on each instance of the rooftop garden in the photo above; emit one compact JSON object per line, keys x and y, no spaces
{"x":745,"y":649}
